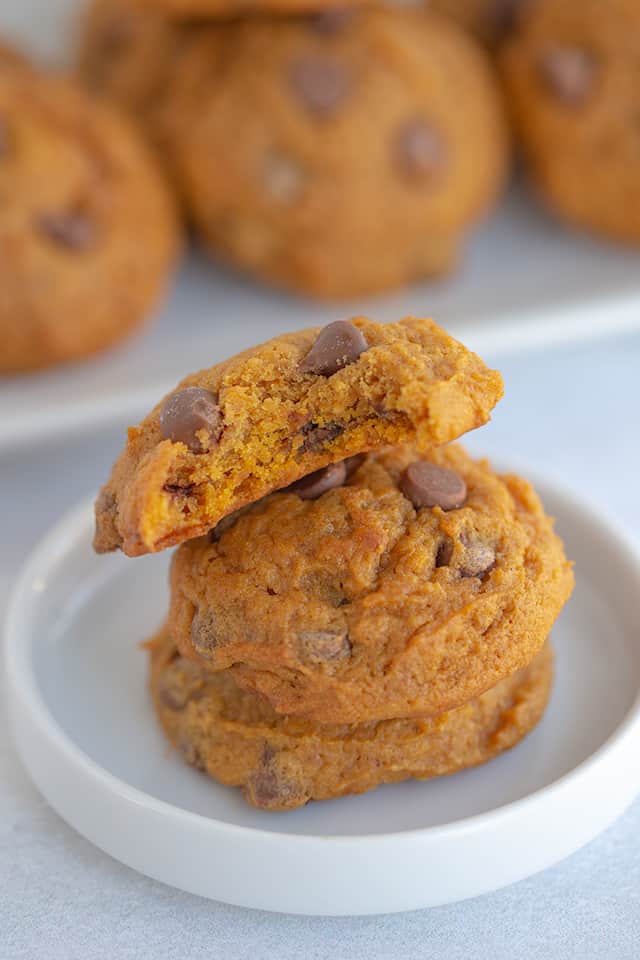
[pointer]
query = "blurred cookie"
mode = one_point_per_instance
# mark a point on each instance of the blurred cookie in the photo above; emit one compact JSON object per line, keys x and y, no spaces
{"x":87,"y":231}
{"x":283,"y":762}
{"x":127,"y":54}
{"x":402,"y":589}
{"x":488,"y":20}
{"x":232,"y":8}
{"x":273,"y":414}
{"x":571,"y":74}
{"x":349,"y":158}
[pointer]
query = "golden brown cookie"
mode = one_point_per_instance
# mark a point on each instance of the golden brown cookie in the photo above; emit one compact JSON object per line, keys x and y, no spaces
{"x":405,"y":589}
{"x":571,"y":74}
{"x":127,"y":53}
{"x":87,"y":231}
{"x":283,"y":762}
{"x":225,"y":9}
{"x":259,"y":421}
{"x":348,"y":159}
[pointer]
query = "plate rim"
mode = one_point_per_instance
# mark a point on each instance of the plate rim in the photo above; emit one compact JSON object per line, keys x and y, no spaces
{"x":267,"y":869}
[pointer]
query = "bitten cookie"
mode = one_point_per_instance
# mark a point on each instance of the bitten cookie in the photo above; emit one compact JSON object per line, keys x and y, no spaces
{"x":259,"y":421}
{"x":87,"y":231}
{"x":283,"y":762}
{"x":571,"y":74}
{"x":402,"y":586}
{"x":349,"y":158}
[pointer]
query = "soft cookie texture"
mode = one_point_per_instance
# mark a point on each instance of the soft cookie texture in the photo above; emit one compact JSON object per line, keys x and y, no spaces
{"x":394,"y":592}
{"x":283,"y":762}
{"x":351,"y":153}
{"x":87,"y":231}
{"x":280,"y":411}
{"x":571,"y":74}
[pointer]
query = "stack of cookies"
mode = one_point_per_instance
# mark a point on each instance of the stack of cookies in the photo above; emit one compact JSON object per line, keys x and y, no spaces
{"x":354,"y":600}
{"x":334,"y":152}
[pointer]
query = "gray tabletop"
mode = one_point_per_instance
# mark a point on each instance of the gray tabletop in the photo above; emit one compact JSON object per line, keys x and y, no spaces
{"x":574,"y":412}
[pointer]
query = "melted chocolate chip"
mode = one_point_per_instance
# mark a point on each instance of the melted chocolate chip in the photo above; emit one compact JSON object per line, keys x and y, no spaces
{"x":177,"y":491}
{"x":568,"y":73}
{"x":323,"y":646}
{"x":420,"y":149}
{"x":479,"y":559}
{"x":192,"y":416}
{"x":269,"y":788}
{"x":444,"y":553}
{"x":337,"y":345}
{"x":320,"y":84}
{"x":181,"y":682}
{"x":74,"y":231}
{"x":316,"y":436}
{"x":204,"y":636}
{"x":320,"y":481}
{"x":428,"y":485}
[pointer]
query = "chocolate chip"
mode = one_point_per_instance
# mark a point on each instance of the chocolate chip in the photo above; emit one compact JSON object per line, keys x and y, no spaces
{"x":351,"y":464}
{"x":428,"y":485}
{"x":336,"y":346}
{"x":569,"y":73}
{"x":74,"y":231}
{"x":181,"y":682}
{"x":205,"y":637}
{"x":420,"y":149}
{"x":332,"y":21}
{"x":177,"y":491}
{"x":283,"y":179}
{"x":269,"y":788}
{"x":320,"y":481}
{"x":191,"y":416}
{"x":316,"y":436}
{"x":505,"y":15}
{"x":323,"y":646}
{"x":320,"y":84}
{"x":191,"y":752}
{"x":479,"y":559}
{"x":444,"y":553}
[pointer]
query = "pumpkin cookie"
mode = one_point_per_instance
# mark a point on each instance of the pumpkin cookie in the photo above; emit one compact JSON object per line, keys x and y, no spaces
{"x":350,"y":157}
{"x":253,"y":424}
{"x":87,"y":231}
{"x":402,"y":586}
{"x":488,"y":20}
{"x":571,"y":74}
{"x":127,"y":54}
{"x":283,"y":762}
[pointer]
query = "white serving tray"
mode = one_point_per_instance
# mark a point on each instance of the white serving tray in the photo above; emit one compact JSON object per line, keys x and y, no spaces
{"x":85,"y":729}
{"x":526,"y":281}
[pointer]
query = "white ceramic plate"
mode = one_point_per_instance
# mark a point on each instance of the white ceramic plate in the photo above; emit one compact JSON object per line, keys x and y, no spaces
{"x":85,"y":729}
{"x":526,"y":281}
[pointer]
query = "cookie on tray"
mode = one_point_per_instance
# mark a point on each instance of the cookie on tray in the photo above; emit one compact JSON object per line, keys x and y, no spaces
{"x":88,"y":231}
{"x":283,"y":762}
{"x":404,"y":585}
{"x":349,"y":158}
{"x":571,"y":75}
{"x":127,"y":54}
{"x":275,"y":413}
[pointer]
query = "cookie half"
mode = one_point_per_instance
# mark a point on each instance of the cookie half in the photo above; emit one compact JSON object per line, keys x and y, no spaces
{"x":273,"y":414}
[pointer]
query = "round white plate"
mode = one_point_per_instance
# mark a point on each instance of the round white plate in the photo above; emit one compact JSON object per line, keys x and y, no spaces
{"x":84,"y":726}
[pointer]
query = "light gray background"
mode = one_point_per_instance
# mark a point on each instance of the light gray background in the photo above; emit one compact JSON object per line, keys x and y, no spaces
{"x":574,"y":412}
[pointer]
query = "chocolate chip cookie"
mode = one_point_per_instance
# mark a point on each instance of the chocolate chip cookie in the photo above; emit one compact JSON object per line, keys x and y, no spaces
{"x":403,"y":585}
{"x":351,"y":153}
{"x":87,"y":232}
{"x":571,"y":74}
{"x":280,"y":411}
{"x":127,"y":54}
{"x":283,"y":762}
